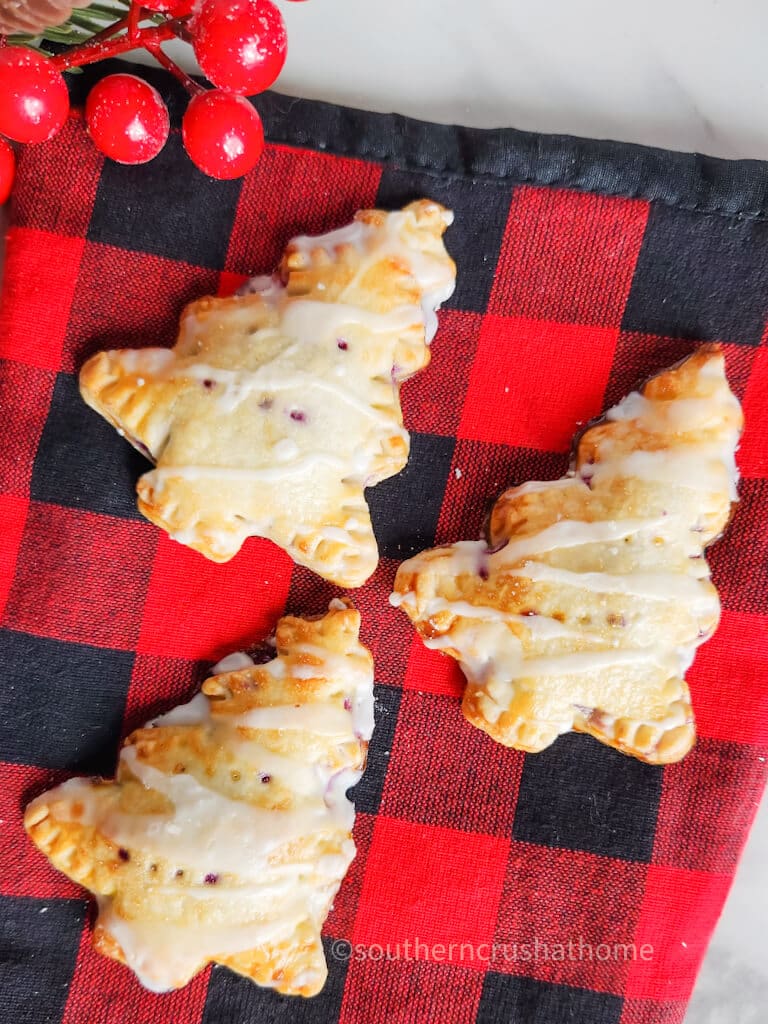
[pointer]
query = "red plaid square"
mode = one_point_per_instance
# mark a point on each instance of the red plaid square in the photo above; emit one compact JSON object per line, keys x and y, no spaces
{"x":738,"y":650}
{"x":104,"y":990}
{"x":399,"y":991}
{"x":432,"y":400}
{"x":416,"y":904}
{"x":40,"y":277}
{"x":706,"y":791}
{"x":196,"y":608}
{"x":679,"y":911}
{"x":575,"y":920}
{"x":515,"y":394}
{"x":637,"y":357}
{"x":653,"y":1011}
{"x":23,"y":872}
{"x":568,"y":256}
{"x":443,"y":773}
{"x":13,"y":516}
{"x":126,"y":298}
{"x":480,"y":473}
{"x":383,"y":629}
{"x":341,"y":920}
{"x":230,"y":283}
{"x":295,"y":192}
{"x":739,"y":561}
{"x":96,"y":571}
{"x":641,"y":356}
{"x":25,"y":394}
{"x":753,"y":451}
{"x":432,"y":672}
{"x":70,"y":166}
{"x":158,"y":684}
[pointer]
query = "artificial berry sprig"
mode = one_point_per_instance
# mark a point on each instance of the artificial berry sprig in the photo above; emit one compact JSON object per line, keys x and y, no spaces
{"x":240,"y":45}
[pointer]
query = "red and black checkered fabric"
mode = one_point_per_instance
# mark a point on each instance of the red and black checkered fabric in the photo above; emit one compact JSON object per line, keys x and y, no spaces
{"x":582,"y":269}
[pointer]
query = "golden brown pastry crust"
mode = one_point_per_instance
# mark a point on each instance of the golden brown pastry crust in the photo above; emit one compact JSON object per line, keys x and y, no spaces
{"x":228,"y":821}
{"x":585,"y":608}
{"x":276,"y":408}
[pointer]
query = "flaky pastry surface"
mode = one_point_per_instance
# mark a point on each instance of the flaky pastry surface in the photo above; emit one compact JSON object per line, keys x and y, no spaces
{"x":227,"y":831}
{"x":584,"y":608}
{"x":277,"y":407}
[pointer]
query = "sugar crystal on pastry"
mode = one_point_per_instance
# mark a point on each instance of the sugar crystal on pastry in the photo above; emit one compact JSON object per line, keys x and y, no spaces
{"x":227,"y":831}
{"x":584,"y":608}
{"x":277,"y":407}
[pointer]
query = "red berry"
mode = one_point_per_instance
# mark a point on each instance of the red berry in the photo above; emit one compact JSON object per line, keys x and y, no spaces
{"x":240,"y":44}
{"x":176,"y":8}
{"x":223,"y":134}
{"x":7,"y":170}
{"x":127,"y":119}
{"x":34,"y":101}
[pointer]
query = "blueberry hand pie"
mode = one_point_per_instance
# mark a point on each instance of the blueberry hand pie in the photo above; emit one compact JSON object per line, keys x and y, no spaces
{"x":584,"y":608}
{"x":278,"y":406}
{"x":227,"y":831}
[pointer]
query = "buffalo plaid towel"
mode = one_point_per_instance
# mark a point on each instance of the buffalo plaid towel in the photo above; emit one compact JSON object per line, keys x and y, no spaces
{"x":577,"y":885}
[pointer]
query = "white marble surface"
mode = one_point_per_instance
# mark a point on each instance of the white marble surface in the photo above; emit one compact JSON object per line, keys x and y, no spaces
{"x":684,"y":74}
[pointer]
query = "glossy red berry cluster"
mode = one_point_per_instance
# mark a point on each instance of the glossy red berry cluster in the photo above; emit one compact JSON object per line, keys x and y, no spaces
{"x":240,"y":45}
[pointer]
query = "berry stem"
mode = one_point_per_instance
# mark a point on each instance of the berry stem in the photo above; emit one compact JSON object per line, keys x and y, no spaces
{"x":132,"y":22}
{"x":109,"y":31}
{"x":90,"y":51}
{"x":166,"y":62}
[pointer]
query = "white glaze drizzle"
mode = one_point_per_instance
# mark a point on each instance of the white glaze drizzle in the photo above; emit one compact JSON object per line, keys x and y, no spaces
{"x":232,"y":663}
{"x":212,"y":836}
{"x":324,"y":377}
{"x":246,"y":475}
{"x":500,"y":651}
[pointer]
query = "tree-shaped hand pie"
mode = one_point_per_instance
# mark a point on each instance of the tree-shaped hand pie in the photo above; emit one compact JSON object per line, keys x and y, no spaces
{"x":227,"y":831}
{"x":276,"y":408}
{"x":585,"y":607}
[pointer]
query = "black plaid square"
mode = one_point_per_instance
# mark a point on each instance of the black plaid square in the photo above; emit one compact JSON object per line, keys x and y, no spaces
{"x":700,"y":277}
{"x":520,"y":1000}
{"x":81,"y":461}
{"x":166,"y":207}
{"x":581,"y":795}
{"x":367,"y":793}
{"x":65,"y":707}
{"x":233,"y":999}
{"x":739,"y":563}
{"x":38,"y":946}
{"x":480,"y":210}
{"x":405,"y":509}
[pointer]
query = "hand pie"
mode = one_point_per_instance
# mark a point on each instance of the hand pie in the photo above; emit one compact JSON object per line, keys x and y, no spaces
{"x":584,"y":609}
{"x":227,"y":831}
{"x":277,"y":407}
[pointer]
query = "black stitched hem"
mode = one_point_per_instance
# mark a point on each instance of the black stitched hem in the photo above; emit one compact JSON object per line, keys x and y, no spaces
{"x":688,"y":181}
